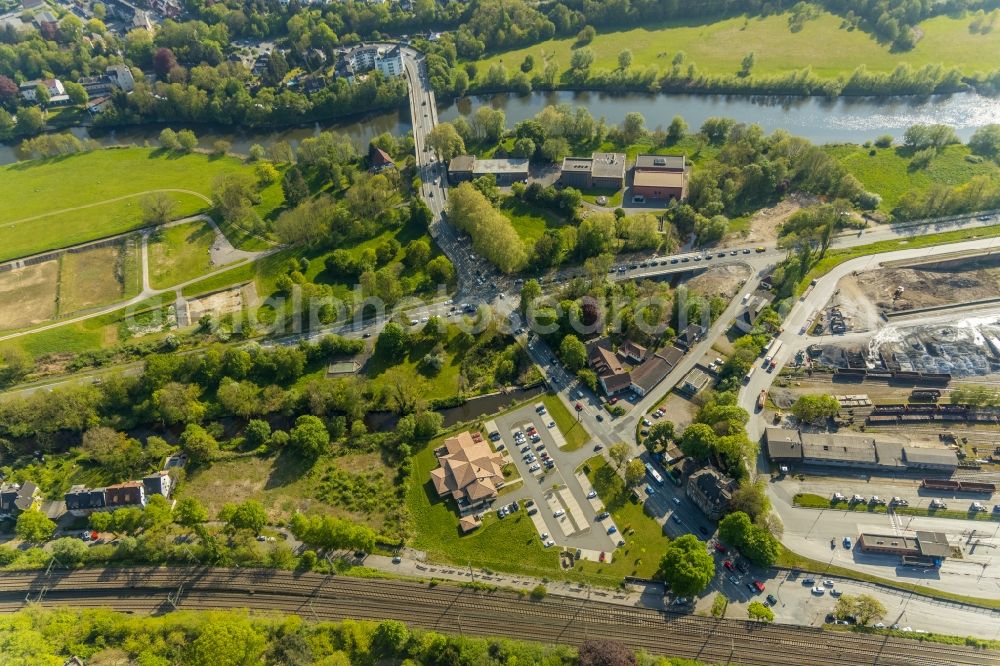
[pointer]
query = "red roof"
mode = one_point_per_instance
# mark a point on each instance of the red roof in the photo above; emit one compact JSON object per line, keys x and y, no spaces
{"x":380,"y":158}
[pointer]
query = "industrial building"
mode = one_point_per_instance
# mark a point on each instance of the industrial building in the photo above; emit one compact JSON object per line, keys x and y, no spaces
{"x":660,"y":177}
{"x":788,"y":446}
{"x":462,"y":168}
{"x":932,"y":546}
{"x":604,"y":170}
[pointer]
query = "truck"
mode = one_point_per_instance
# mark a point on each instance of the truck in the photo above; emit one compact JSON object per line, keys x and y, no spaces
{"x":769,"y":360}
{"x":761,"y":397}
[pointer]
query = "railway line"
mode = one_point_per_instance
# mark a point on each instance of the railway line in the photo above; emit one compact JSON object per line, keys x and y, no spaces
{"x":472,"y":612}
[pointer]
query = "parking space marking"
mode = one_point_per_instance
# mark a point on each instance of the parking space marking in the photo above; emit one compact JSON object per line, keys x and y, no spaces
{"x":567,"y":499}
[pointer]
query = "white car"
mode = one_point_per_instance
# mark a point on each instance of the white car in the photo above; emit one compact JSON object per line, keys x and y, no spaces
{"x":558,"y":513}
{"x":549,"y":543}
{"x":534,"y":468}
{"x":819,"y":590}
{"x":592,"y":494}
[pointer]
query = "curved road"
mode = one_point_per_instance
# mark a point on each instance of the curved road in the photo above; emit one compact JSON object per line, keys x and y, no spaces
{"x":473,"y":612}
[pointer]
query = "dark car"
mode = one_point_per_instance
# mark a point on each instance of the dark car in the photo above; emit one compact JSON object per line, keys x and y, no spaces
{"x":772,"y":600}
{"x":600,"y":417}
{"x":601,"y":516}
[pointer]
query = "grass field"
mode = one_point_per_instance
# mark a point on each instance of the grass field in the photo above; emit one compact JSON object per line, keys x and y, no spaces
{"x":888,"y":171}
{"x":574,"y":432}
{"x":99,"y":276}
{"x":443,"y":384}
{"x":644,"y":540}
{"x":105,"y":186}
{"x":356,"y":486}
{"x":28,"y":295}
{"x":529,"y":221}
{"x":179,"y":254}
{"x":719,"y":47}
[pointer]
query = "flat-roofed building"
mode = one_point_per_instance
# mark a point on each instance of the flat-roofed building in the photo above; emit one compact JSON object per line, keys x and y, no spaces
{"x":604,"y":170}
{"x":660,"y":176}
{"x":460,"y":168}
{"x":930,"y":545}
{"x":916,"y":457}
{"x":507,"y":171}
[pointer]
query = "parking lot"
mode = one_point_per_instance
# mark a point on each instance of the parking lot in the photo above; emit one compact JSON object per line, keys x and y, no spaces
{"x":567,"y":507}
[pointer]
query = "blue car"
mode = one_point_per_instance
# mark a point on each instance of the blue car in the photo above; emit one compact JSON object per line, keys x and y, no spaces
{"x":649,"y":489}
{"x":612,"y":529}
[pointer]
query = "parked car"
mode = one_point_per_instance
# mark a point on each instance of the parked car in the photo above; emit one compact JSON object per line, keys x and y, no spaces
{"x":649,"y":489}
{"x":818,"y":590}
{"x":729,"y":565}
{"x":601,"y":516}
{"x":772,"y":600}
{"x":612,"y":529}
{"x":558,"y":513}
{"x":592,"y":494}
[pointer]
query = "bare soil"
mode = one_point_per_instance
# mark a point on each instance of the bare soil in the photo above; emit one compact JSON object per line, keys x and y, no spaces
{"x":724,"y":281}
{"x":928,"y":285}
{"x":28,"y":295}
{"x":765,"y":223}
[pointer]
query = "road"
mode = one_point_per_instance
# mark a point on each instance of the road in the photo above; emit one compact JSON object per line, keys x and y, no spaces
{"x":445,"y":608}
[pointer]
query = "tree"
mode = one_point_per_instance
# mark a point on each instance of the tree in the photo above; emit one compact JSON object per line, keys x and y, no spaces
{"x":390,"y":637}
{"x":418,"y":252}
{"x":815,"y":409}
{"x":9,"y":91}
{"x":309,"y":436}
{"x":34,"y":527}
{"x":524,"y":147}
{"x":493,"y":234}
{"x":531,"y":290}
{"x":573,"y":353}
{"x":619,"y":452}
{"x":633,"y":127}
{"x":985,"y":141}
{"x":249,"y":515}
{"x":257,"y":432}
{"x":698,"y":441}
{"x":759,"y":612}
{"x":555,"y":149}
{"x":604,"y":652}
{"x":76,"y":93}
{"x":69,"y":551}
{"x":624,"y":59}
{"x":178,"y":403}
{"x":168,"y":139}
{"x":392,"y":341}
{"x":30,"y":121}
{"x":157,"y":207}
{"x":755,"y":542}
{"x":189,"y":512}
{"x":187,"y":140}
{"x":164,"y":61}
{"x":863,"y":607}
{"x":15,"y":364}
{"x":686,"y":566}
{"x":635,"y":471}
{"x":747,"y":64}
{"x":676,"y":129}
{"x":441,"y":270}
{"x":294,"y":186}
{"x":445,"y":141}
{"x":233,"y":194}
{"x":198,"y":444}
{"x":228,"y":643}
{"x":751,"y":499}
{"x":586,"y":35}
{"x":581,"y":60}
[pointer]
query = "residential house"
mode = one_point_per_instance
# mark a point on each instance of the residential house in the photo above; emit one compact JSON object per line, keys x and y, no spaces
{"x":168,"y":8}
{"x":114,"y":77}
{"x":130,"y":493}
{"x":82,"y":501}
{"x":687,"y":338}
{"x":711,"y":492}
{"x":57,"y":93}
{"x":16,"y":498}
{"x":660,"y":177}
{"x":604,"y":170}
{"x":160,"y":483}
{"x":470,"y":472}
{"x":632,"y":352}
{"x":611,"y":375}
{"x":32,"y":4}
{"x":747,"y":318}
{"x":654,"y":369}
{"x":380,"y":160}
{"x":47,"y":24}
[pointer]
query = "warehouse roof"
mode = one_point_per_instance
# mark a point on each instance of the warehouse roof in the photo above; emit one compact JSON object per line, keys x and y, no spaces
{"x":783,"y":444}
{"x":582,"y":164}
{"x":608,"y":165}
{"x":926,"y":456}
{"x":462,"y":163}
{"x":933,"y":544}
{"x":847,"y":448}
{"x":508,"y":165}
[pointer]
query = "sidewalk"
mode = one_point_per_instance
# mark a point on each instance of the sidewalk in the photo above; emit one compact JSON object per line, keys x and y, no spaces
{"x":648,"y":596}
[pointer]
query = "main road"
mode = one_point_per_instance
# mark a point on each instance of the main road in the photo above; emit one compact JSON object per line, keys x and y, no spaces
{"x":451,"y":609}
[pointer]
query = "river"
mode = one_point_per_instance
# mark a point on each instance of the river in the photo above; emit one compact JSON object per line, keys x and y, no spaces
{"x":821,"y":120}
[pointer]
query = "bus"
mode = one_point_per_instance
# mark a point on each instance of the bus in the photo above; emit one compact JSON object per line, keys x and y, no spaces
{"x":654,"y":474}
{"x":772,"y":352}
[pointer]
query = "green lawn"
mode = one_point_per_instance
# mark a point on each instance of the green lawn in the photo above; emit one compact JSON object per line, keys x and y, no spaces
{"x":718,"y":47}
{"x":614,"y":197}
{"x":511,"y":544}
{"x":179,"y":254}
{"x":644,"y":540}
{"x":443,"y":384}
{"x":99,"y":276}
{"x":529,"y":221}
{"x":888,"y":173}
{"x":39,"y":195}
{"x":811,"y":501}
{"x":574,"y":432}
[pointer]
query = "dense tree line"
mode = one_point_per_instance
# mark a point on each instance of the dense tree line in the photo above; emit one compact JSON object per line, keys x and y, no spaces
{"x":493,"y":235}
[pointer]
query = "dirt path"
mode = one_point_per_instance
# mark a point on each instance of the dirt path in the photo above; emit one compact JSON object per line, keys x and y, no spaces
{"x":101,"y":203}
{"x":766,"y":222}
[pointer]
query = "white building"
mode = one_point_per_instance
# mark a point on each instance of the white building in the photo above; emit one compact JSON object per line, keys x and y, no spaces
{"x":388,"y":61}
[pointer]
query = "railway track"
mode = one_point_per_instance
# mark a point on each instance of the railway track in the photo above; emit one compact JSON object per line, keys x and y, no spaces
{"x":452,"y":609}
